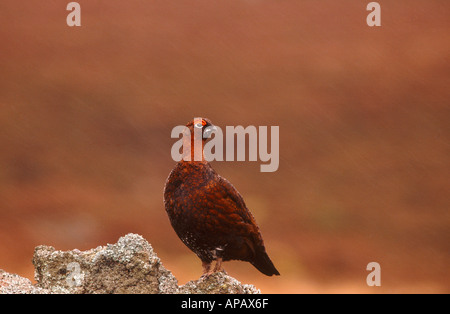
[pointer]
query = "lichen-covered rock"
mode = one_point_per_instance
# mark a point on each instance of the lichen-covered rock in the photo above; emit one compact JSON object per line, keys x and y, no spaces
{"x":217,"y":283}
{"x":14,"y":284}
{"x":128,"y":266}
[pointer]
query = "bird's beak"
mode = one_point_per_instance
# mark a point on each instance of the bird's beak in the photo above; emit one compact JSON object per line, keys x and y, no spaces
{"x":208,"y":131}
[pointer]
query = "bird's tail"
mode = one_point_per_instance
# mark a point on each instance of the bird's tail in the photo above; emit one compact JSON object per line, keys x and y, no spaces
{"x":263,"y":263}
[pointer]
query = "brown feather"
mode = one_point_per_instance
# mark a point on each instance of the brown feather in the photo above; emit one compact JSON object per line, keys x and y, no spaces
{"x":210,"y":216}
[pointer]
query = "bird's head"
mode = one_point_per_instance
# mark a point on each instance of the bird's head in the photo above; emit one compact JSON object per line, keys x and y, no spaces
{"x":202,"y":125}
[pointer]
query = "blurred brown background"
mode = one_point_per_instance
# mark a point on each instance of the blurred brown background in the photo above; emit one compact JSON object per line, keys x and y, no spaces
{"x":86,"y":115}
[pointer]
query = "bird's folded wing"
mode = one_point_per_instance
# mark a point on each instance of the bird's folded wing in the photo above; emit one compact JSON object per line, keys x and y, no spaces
{"x":225,"y":201}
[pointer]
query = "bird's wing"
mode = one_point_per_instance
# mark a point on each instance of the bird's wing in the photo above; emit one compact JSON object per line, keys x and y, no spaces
{"x":224,"y":201}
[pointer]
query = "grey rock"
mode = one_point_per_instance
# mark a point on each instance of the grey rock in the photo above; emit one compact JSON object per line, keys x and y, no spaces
{"x":218,"y":283}
{"x":128,"y":266}
{"x":14,"y":284}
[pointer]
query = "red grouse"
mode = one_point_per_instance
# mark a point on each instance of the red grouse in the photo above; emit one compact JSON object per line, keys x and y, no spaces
{"x":206,"y":211}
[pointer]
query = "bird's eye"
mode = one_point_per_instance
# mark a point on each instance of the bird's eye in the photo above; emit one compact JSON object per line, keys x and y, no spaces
{"x":198,"y":125}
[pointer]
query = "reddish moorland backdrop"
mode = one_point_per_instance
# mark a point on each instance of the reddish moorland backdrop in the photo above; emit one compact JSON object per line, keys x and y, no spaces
{"x":86,"y":114}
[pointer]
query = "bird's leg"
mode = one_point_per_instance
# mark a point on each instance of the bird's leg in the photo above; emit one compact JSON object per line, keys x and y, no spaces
{"x":206,"y":269}
{"x":218,"y":252}
{"x":218,"y":266}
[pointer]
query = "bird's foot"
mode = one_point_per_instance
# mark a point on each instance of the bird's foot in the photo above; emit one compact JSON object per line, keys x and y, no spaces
{"x":205,"y":276}
{"x":208,"y":271}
